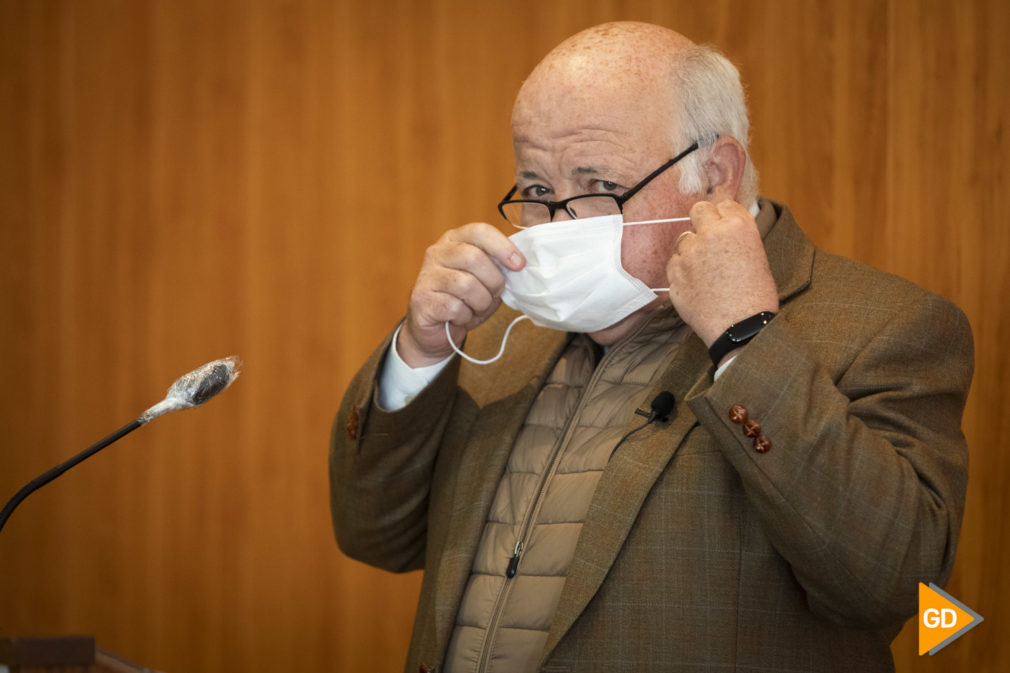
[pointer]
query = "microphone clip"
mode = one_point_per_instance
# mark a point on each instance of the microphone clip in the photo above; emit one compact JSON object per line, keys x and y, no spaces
{"x":654,"y":415}
{"x":661,"y":405}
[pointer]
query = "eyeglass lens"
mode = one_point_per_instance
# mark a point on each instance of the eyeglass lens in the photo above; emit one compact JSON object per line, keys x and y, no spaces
{"x":529,"y":213}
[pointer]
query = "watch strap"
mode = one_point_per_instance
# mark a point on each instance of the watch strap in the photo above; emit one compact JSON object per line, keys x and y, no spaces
{"x":738,"y":334}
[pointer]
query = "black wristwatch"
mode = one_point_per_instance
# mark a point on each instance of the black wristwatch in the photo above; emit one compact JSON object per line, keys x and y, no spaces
{"x":738,"y":334}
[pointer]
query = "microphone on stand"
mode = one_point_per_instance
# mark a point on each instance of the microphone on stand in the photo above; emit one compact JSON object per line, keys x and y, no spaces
{"x":189,"y":390}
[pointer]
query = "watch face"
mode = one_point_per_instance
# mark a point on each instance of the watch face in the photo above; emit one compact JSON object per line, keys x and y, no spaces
{"x":747,"y":329}
{"x":737,"y":335}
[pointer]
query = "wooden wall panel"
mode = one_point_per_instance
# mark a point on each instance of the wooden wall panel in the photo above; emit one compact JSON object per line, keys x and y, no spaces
{"x":184,"y":180}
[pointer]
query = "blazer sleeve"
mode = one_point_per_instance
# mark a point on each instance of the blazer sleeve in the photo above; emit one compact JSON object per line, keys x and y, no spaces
{"x":381,"y":465}
{"x":863,"y":489}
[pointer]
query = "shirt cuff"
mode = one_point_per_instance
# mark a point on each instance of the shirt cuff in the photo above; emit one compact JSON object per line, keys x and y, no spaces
{"x":400,"y":383}
{"x":718,"y":372}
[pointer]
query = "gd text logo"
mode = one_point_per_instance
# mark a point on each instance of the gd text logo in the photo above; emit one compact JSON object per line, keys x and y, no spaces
{"x":942,"y":619}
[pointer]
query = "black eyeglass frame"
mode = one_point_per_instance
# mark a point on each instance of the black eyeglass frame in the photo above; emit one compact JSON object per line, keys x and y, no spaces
{"x":620,"y":200}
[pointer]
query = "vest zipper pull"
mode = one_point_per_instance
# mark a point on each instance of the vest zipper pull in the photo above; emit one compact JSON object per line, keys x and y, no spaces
{"x":514,"y":561}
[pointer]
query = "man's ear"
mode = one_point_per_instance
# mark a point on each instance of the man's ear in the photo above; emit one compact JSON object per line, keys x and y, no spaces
{"x":724,"y":170}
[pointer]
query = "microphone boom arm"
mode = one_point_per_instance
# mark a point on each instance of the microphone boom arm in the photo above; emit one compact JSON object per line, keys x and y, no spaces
{"x":189,"y":390}
{"x":43,"y":479}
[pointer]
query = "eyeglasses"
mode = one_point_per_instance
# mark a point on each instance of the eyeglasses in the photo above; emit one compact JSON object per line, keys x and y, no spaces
{"x":524,"y":213}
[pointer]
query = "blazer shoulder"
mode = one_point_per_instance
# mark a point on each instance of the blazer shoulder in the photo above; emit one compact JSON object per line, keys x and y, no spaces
{"x":849,"y":304}
{"x":858,"y":284}
{"x":817,"y":278}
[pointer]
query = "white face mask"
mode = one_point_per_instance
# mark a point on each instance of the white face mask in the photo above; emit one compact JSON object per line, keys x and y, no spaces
{"x":573,"y":279}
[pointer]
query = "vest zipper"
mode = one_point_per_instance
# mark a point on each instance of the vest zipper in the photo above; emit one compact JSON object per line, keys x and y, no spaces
{"x":496,"y":613}
{"x":510,"y":572}
{"x":513,"y":566}
{"x":566,"y":437}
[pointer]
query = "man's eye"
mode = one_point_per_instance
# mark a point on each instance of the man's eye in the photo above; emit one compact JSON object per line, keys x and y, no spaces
{"x":605,"y":186}
{"x":535,"y":192}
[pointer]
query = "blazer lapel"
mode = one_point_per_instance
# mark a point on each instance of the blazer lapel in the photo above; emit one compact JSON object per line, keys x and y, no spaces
{"x":622,"y":489}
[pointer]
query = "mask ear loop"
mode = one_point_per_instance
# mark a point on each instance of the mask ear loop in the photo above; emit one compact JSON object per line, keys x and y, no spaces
{"x":669,"y":219}
{"x":500,"y":351}
{"x":665,"y":219}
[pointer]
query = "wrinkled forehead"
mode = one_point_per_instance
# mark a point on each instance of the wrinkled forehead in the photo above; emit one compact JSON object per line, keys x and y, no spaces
{"x":569,"y":98}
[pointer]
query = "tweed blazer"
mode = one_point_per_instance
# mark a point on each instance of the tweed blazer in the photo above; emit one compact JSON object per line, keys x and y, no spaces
{"x":699,"y":553}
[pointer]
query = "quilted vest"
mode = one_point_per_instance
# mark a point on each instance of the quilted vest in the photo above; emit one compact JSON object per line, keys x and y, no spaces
{"x":544,"y":494}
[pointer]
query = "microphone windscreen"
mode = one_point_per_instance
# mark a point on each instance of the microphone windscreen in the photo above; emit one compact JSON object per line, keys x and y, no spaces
{"x":663,"y":404}
{"x":196,"y":387}
{"x":201,"y":384}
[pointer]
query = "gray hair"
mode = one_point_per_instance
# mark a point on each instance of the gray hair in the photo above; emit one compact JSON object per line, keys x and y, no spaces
{"x":710,"y":103}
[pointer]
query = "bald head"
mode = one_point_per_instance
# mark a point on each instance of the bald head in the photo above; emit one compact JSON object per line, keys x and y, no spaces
{"x":638,"y":75}
{"x":602,"y":65}
{"x":642,"y":51}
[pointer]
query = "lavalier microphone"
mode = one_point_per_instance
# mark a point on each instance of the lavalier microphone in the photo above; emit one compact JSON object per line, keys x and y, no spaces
{"x":661,"y":408}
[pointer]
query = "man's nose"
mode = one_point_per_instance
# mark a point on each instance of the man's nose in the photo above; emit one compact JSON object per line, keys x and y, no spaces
{"x":560,"y":214}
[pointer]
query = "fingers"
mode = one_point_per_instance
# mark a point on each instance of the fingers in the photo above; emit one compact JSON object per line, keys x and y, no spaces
{"x":467,"y":304}
{"x":705,"y":215}
{"x":708,"y":218}
{"x":719,"y":273}
{"x":462,"y":265}
{"x":460,"y":282}
{"x":703,"y":212}
{"x":711,"y":222}
{"x":490,"y":241}
{"x":464,"y":262}
{"x":680,"y":240}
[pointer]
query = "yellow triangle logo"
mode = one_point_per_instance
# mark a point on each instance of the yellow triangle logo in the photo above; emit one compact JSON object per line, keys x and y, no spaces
{"x":942,"y":619}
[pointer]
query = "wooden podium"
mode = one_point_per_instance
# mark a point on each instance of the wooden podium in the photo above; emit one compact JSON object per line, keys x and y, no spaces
{"x":61,"y":654}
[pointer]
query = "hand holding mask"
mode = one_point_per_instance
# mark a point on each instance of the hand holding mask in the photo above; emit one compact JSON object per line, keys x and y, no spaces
{"x":460,"y":284}
{"x":720,"y":275}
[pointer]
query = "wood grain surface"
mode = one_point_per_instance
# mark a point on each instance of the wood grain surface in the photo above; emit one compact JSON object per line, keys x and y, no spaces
{"x":189,"y":179}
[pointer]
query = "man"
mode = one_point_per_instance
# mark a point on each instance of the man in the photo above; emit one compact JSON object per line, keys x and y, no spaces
{"x":778,"y":517}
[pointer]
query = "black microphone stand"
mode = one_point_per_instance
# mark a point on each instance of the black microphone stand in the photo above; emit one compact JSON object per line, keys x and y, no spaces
{"x":189,"y":390}
{"x":43,"y":479}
